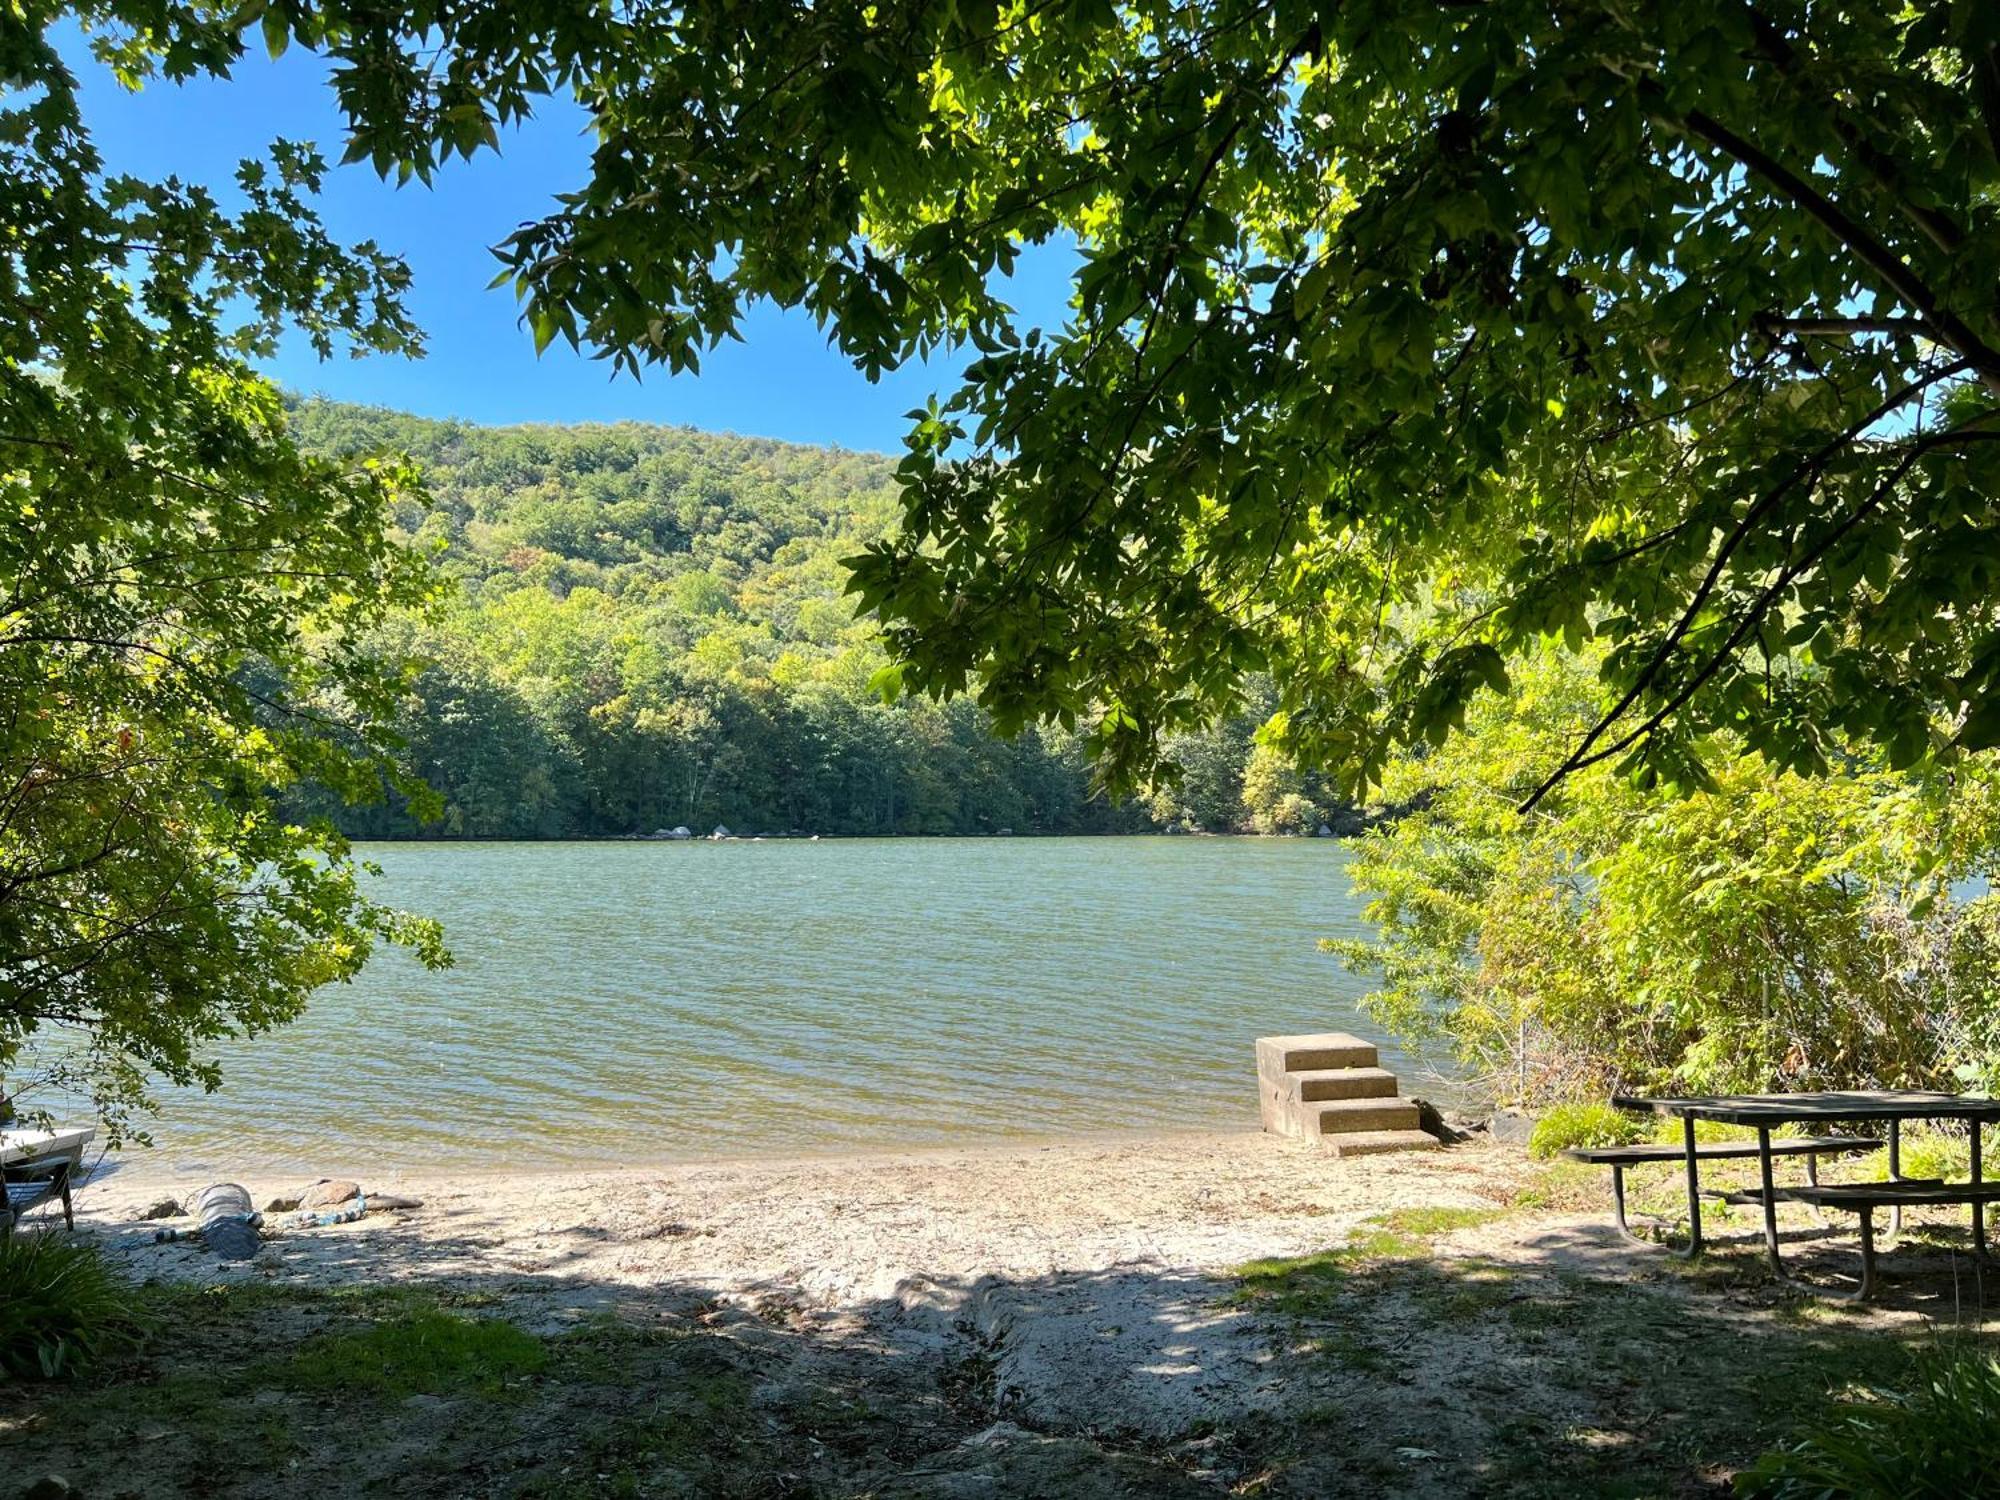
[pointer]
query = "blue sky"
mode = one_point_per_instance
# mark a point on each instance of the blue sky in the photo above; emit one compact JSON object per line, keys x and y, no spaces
{"x":783,"y":382}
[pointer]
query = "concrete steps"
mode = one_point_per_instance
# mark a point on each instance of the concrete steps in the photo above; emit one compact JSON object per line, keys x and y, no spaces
{"x":1343,"y":1083}
{"x":1329,"y":1087}
{"x":1379,"y":1142}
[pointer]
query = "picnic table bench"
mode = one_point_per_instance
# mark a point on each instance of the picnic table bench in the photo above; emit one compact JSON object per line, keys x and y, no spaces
{"x":36,"y":1166}
{"x":1618,"y":1158}
{"x":1889,"y":1106}
{"x":31,"y":1184}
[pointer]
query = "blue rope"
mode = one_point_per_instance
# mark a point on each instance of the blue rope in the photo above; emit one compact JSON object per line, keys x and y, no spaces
{"x":311,"y":1220}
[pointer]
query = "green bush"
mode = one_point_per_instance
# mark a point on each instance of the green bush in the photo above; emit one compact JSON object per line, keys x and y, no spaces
{"x":1933,"y":1440}
{"x":60,"y":1306}
{"x":1569,"y":1125}
{"x":1753,"y":930}
{"x":1932,"y":1153}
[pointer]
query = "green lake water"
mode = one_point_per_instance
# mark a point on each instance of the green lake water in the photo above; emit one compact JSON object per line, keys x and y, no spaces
{"x":654,"y":1001}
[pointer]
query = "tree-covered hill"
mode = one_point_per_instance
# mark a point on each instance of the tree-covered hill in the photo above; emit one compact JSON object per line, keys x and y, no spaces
{"x":650,"y":630}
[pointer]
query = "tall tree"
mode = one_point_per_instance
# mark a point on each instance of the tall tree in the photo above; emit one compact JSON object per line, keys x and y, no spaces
{"x":183,"y":597}
{"x":1401,"y":337}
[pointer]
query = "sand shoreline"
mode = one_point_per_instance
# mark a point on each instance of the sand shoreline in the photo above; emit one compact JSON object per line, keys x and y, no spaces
{"x":1095,"y":1264}
{"x":833,"y":1229}
{"x":150,"y":1167}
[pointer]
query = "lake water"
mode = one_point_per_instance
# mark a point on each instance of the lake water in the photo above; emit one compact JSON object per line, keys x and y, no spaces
{"x":653,"y":1001}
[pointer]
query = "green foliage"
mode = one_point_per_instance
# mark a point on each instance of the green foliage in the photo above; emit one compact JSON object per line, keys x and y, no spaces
{"x":62,"y":1308}
{"x":1770,"y":931}
{"x":1939,"y":1152}
{"x":1932,"y":1440}
{"x":679,"y":652}
{"x":1278,"y":796}
{"x":1584,"y":1123}
{"x":187,"y":599}
{"x":1399,"y":341}
{"x":427,"y":1351}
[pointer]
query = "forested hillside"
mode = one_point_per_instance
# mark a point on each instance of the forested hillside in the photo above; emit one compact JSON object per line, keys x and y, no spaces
{"x":649,"y":630}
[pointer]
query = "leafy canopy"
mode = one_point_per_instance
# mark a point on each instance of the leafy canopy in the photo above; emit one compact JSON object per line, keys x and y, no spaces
{"x":1401,"y":338}
{"x":184,"y":599}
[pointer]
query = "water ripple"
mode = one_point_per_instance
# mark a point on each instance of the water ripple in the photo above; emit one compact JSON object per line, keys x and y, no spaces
{"x":655,"y":1001}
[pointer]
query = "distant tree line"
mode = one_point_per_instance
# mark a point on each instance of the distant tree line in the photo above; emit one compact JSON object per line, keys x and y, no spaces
{"x":649,"y":630}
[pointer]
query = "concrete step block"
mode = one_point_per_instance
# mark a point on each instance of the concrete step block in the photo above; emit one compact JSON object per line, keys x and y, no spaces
{"x":1377,"y":1142}
{"x":1340,"y":1116}
{"x":1312,"y":1051}
{"x":1342,"y":1083}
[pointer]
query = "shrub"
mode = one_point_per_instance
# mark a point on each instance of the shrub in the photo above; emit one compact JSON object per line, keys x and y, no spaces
{"x":1935,"y":1439}
{"x":60,"y":1306}
{"x":1756,"y":929}
{"x":1933,"y":1153}
{"x":1569,"y":1125}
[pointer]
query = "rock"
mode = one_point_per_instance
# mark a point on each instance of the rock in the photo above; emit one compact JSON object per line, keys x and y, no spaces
{"x":165,"y":1208}
{"x":682,"y":831}
{"x":51,"y":1487}
{"x":328,"y":1192}
{"x":1431,"y":1120}
{"x":721,"y":832}
{"x":1004,"y":833}
{"x":1325,"y":831}
{"x":281,"y":1205}
{"x":1513,"y":1126}
{"x":392,"y":1200}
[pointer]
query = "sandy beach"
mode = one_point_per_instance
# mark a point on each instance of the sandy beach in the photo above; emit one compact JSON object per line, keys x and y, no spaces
{"x":1061,"y":1318}
{"x":826,"y":1231}
{"x":1101,"y":1266}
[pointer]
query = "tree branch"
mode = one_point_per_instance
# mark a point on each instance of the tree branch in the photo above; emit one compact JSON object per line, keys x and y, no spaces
{"x":1947,"y":326}
{"x":1806,"y":473}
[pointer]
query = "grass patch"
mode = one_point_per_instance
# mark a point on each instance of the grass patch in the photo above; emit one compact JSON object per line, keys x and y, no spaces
{"x":1563,"y":1186}
{"x":1306,"y":1286}
{"x":427,"y":1352}
{"x":1473,"y":1289}
{"x":1438,"y":1219}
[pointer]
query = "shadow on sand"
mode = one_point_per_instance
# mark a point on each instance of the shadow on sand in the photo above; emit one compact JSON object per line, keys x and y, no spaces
{"x":1523,"y":1356}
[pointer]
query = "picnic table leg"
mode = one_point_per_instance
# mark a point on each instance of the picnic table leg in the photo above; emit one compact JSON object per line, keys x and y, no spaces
{"x":1812,"y":1178}
{"x":1867,"y":1287}
{"x":1770,"y":1199}
{"x":1978,"y":1209}
{"x":1895,"y":1175}
{"x":1694,"y":1193}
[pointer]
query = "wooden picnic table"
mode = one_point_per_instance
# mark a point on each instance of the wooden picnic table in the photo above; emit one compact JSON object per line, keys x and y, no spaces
{"x":1890,"y":1107}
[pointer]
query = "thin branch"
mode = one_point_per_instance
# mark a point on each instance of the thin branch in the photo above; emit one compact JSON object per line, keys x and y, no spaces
{"x":1761,"y":605}
{"x":1947,"y":326}
{"x":1839,"y":327}
{"x":1806,"y":473}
